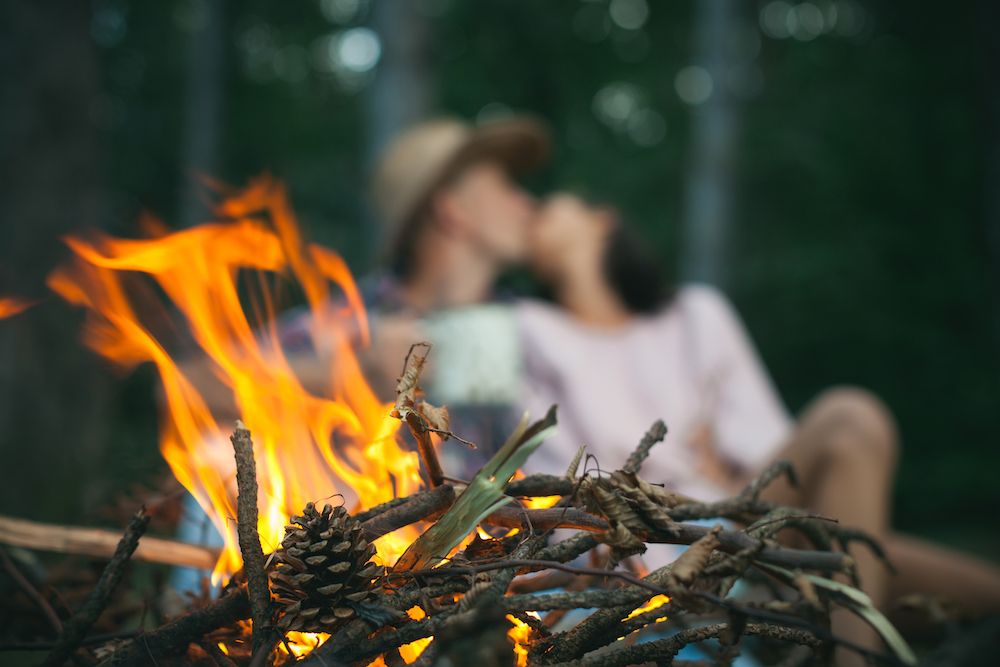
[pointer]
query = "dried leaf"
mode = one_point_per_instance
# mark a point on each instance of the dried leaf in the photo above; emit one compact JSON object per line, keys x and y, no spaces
{"x":408,"y":384}
{"x":435,"y":417}
{"x":641,"y":496}
{"x":623,"y":542}
{"x":694,"y":559}
{"x":808,"y":591}
{"x":616,"y":507}
{"x":575,"y":464}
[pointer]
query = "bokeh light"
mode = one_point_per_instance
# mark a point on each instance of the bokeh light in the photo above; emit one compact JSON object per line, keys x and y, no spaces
{"x":694,"y":84}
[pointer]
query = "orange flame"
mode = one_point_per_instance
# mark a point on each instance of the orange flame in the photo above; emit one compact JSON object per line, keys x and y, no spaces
{"x":10,"y":306}
{"x":308,"y":447}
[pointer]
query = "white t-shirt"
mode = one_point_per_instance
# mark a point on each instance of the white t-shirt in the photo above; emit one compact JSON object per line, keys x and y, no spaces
{"x":692,"y":365}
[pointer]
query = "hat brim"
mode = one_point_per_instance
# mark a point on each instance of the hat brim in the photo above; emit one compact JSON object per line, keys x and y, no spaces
{"x":520,"y":144}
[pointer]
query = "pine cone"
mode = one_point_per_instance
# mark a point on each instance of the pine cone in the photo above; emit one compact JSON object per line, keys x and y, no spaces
{"x":323,"y":570}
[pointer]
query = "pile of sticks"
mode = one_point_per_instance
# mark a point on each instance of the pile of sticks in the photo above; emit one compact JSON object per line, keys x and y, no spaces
{"x":579,"y":554}
{"x":467,"y":599}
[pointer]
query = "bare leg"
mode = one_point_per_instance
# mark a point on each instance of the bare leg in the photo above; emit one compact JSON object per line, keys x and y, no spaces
{"x":844,"y":451}
{"x":973,"y":585}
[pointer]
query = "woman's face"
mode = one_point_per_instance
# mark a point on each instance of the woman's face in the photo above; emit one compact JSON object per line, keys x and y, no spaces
{"x":568,"y":235}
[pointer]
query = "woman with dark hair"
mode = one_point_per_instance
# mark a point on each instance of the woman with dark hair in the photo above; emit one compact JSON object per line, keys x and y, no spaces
{"x":618,"y":350}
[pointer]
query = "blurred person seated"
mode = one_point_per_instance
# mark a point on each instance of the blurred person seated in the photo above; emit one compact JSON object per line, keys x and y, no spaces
{"x":618,"y":349}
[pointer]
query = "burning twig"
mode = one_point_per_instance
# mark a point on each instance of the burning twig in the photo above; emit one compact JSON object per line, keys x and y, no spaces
{"x":253,"y":556}
{"x":75,"y":629}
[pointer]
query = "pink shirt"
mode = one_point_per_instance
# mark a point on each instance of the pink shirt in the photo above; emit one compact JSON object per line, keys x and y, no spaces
{"x":692,"y":365}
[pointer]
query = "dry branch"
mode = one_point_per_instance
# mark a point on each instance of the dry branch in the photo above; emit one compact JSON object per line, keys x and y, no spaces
{"x":656,"y":433}
{"x":258,"y":589}
{"x":99,"y":543}
{"x":75,"y":629}
{"x":540,"y":485}
{"x":416,"y":507}
{"x":32,"y":592}
{"x":174,"y":637}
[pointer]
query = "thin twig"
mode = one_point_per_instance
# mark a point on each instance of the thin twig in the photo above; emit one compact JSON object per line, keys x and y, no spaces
{"x":75,"y":629}
{"x":174,"y":637}
{"x":31,"y":592}
{"x":656,"y":433}
{"x":258,"y":590}
{"x":540,"y":485}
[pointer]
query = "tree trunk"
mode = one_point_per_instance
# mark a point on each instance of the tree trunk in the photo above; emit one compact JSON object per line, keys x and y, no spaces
{"x":54,"y":396}
{"x":709,"y":197}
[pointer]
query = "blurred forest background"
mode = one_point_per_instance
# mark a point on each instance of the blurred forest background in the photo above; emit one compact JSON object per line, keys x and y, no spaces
{"x":833,"y":165}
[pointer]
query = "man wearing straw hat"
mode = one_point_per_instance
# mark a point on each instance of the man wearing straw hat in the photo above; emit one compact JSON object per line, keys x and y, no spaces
{"x":452,"y":218}
{"x":452,"y":215}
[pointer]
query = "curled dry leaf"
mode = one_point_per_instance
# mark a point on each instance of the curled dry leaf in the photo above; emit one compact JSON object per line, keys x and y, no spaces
{"x":691,"y":563}
{"x":437,"y":418}
{"x":408,"y":384}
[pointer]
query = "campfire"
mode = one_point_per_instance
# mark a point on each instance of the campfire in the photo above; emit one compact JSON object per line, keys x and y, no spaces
{"x":344,"y":545}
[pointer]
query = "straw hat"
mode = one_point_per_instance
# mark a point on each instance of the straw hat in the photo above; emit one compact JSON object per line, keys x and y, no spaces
{"x":424,"y":157}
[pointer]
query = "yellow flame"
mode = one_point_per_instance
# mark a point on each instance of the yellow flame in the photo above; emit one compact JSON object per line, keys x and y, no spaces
{"x":541,"y":502}
{"x":520,"y":634}
{"x":302,"y":643}
{"x":410,"y":652}
{"x":653,"y":603}
{"x":224,"y":280}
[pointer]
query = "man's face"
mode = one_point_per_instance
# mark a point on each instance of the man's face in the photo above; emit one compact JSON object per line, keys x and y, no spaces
{"x":492,"y":212}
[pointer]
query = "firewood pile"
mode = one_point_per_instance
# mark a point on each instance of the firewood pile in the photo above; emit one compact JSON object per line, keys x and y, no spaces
{"x":558,"y":585}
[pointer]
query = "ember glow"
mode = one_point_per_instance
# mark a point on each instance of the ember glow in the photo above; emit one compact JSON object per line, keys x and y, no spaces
{"x":223,"y":279}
